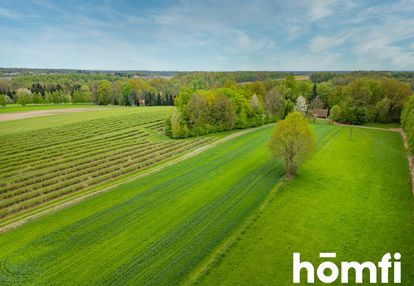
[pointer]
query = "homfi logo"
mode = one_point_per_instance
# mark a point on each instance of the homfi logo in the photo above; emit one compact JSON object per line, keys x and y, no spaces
{"x":328,"y":272}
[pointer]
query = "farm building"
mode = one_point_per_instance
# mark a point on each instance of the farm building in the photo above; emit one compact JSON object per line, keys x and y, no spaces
{"x":320,"y":112}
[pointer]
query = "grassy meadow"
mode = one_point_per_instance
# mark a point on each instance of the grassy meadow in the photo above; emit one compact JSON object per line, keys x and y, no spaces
{"x":353,"y":198}
{"x":31,"y":107}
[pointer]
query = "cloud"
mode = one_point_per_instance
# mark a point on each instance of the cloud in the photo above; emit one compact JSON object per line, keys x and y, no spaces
{"x":212,"y":34}
{"x":10,"y":14}
{"x":319,"y":9}
{"x":323,"y":43}
{"x":383,"y":45}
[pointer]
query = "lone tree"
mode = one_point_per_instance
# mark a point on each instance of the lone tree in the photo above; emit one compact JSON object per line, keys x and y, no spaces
{"x":293,"y":141}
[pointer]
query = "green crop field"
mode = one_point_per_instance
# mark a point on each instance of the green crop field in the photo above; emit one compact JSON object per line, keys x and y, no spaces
{"x":353,"y":198}
{"x":31,"y":107}
{"x":154,"y":230}
{"x":53,"y":161}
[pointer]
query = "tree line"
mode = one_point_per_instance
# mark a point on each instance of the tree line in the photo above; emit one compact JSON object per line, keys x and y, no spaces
{"x":132,"y":92}
{"x":253,"y":98}
{"x":353,"y":100}
{"x":119,"y":88}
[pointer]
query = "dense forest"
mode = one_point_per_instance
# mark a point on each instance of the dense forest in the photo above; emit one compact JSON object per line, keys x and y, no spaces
{"x":118,"y":88}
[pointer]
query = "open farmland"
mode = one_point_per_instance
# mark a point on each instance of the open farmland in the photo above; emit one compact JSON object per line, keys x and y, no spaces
{"x":15,"y":108}
{"x":353,"y":198}
{"x":154,"y":230}
{"x":51,"y":162}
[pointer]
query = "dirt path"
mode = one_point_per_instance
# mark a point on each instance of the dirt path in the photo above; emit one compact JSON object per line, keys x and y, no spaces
{"x":410,"y":157}
{"x":405,"y":141}
{"x":46,"y":112}
{"x":81,"y":197}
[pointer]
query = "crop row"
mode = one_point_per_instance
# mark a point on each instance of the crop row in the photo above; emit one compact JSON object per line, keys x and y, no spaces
{"x":113,"y":169}
{"x":34,"y":166}
{"x":49,"y":175}
{"x":74,"y":130}
{"x":67,"y":150}
{"x":45,"y":141}
{"x":63,"y":148}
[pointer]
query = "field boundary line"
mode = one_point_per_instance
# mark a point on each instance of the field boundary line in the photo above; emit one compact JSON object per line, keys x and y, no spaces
{"x":77,"y":198}
{"x":215,"y":256}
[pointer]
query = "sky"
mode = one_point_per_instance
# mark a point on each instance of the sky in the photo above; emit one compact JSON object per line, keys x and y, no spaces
{"x":208,"y":35}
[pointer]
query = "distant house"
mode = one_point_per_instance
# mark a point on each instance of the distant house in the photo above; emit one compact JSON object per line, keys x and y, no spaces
{"x":320,"y":113}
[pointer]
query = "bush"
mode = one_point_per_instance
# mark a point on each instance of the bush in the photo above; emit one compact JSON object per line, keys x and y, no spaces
{"x":335,"y":113}
{"x":178,"y":128}
{"x":3,"y":100}
{"x":37,"y":98}
{"x":24,"y":97}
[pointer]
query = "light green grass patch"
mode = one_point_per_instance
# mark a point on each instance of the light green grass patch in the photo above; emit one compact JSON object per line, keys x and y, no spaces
{"x":30,"y":107}
{"x":353,"y":198}
{"x":35,"y":123}
{"x":382,"y":125}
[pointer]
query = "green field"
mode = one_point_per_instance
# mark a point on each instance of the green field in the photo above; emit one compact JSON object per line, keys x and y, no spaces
{"x":152,"y":230}
{"x":353,"y":198}
{"x":53,"y":161}
{"x":382,"y":125}
{"x":30,"y":107}
{"x":59,"y":120}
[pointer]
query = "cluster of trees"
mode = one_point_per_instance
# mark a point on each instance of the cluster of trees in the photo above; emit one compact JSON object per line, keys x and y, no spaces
{"x":243,"y":105}
{"x":132,"y":91}
{"x":360,"y":97}
{"x":206,"y":80}
{"x":26,"y":96}
{"x":240,"y":105}
{"x":364,"y":100}
{"x":204,"y":111}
